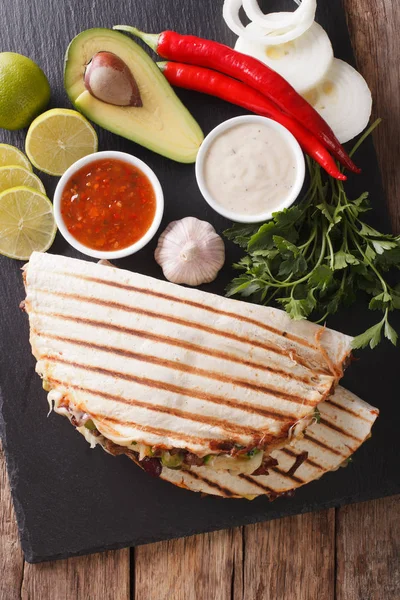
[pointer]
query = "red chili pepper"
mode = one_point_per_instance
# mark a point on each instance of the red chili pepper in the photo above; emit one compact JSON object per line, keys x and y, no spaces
{"x":215,"y":84}
{"x":207,"y":53}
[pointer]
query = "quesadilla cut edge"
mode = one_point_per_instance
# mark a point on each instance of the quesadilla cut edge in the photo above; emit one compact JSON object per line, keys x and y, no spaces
{"x":344,"y":425}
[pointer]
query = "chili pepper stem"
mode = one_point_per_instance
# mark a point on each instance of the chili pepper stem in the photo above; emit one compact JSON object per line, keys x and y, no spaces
{"x":151,"y":39}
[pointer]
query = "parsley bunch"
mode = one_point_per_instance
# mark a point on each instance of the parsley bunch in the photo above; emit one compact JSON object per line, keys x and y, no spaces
{"x":313,"y":257}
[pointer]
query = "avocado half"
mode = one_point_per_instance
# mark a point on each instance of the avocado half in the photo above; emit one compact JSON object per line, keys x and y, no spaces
{"x":162,"y":124}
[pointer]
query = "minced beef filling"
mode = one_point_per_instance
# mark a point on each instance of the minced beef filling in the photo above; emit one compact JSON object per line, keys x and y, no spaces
{"x":153,"y":464}
{"x":267,"y":463}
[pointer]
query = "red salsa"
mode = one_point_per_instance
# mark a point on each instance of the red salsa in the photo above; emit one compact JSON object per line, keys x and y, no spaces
{"x":108,"y":205}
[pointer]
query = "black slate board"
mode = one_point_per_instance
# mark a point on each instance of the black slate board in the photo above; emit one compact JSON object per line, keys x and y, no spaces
{"x":71,"y":500}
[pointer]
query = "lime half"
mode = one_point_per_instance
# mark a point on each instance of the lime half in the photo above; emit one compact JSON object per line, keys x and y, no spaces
{"x":26,"y":222}
{"x":10,"y":155}
{"x":15,"y":176}
{"x":58,"y":138}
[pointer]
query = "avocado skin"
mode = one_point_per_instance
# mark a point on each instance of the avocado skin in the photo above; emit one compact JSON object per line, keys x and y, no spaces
{"x":163,"y":124}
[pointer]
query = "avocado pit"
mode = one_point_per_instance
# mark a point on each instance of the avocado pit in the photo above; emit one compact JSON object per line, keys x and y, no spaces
{"x":110,"y":80}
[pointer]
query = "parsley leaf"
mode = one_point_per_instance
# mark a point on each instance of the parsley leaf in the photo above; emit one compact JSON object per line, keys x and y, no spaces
{"x":380,"y":301}
{"x":342,"y":259}
{"x":242,"y":285}
{"x":321,"y":277}
{"x":371,"y":337}
{"x":390,"y":333}
{"x":299,"y":308}
{"x":293,"y":262}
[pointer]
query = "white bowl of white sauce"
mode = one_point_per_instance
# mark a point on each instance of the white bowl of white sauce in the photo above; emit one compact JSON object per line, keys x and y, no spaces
{"x":249,"y":167}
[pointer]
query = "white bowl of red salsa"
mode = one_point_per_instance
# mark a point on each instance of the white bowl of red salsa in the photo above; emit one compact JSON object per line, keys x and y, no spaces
{"x":108,"y":204}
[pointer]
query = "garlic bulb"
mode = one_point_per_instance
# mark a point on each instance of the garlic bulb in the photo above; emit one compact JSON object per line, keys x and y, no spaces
{"x":190,"y":251}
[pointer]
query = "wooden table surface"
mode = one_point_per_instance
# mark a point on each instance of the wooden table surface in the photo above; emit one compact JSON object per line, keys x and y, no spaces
{"x":350,"y":553}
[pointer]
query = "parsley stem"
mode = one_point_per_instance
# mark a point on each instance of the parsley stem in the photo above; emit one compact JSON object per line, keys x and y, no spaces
{"x":308,"y":242}
{"x":332,"y":260}
{"x":364,"y":136}
{"x":323,"y":318}
{"x":314,"y":245}
{"x":272,"y":296}
{"x":345,"y":243}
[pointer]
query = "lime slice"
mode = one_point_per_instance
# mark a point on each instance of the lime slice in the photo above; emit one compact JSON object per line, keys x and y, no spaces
{"x":15,"y":176}
{"x":26,"y":222}
{"x":58,"y":138}
{"x":10,"y":155}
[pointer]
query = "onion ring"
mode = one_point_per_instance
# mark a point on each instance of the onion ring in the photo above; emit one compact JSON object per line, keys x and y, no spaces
{"x":266,"y":36}
{"x":304,"y":12}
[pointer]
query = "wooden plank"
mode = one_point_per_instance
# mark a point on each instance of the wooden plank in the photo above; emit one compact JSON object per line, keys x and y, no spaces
{"x":374,"y":26}
{"x":102,"y":576}
{"x":11,"y":559}
{"x":290,"y":558}
{"x":204,"y":566}
{"x":368,"y":550}
{"x":368,"y":534}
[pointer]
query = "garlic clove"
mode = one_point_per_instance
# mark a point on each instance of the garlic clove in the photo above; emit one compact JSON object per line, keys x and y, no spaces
{"x":190,"y":251}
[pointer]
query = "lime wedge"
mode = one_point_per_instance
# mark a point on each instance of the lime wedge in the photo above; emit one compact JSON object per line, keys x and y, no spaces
{"x":58,"y":138}
{"x":26,"y":222}
{"x":15,"y":176}
{"x":10,"y":155}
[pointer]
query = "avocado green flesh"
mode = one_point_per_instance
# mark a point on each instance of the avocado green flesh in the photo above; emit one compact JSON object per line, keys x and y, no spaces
{"x":162,"y":124}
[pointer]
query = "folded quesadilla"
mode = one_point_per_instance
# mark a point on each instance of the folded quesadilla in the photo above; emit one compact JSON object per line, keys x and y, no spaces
{"x":177,"y":376}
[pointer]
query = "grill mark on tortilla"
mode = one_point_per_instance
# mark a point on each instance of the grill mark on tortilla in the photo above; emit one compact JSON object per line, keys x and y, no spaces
{"x":348,"y":410}
{"x":307,"y":460}
{"x":170,"y":318}
{"x":317,"y":442}
{"x":286,"y":475}
{"x":217,"y":311}
{"x":158,"y":431}
{"x":140,"y":333}
{"x":327,"y":423}
{"x":251,"y":480}
{"x":253,"y":409}
{"x":213,"y":484}
{"x":178,"y":366}
{"x":227,"y":425}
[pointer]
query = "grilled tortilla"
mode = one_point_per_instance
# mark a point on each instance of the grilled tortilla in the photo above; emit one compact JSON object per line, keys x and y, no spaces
{"x":345,"y":423}
{"x":156,"y":365}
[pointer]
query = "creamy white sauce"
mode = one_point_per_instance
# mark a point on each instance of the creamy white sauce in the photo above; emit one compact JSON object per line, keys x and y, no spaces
{"x":250,"y":169}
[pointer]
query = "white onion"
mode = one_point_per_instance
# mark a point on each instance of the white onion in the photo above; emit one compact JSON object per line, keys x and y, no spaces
{"x":343,"y":99}
{"x":270,"y":36}
{"x":304,"y":12}
{"x":303,"y":62}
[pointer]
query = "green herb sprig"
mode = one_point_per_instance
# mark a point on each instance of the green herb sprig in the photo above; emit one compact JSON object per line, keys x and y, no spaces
{"x":313,"y":257}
